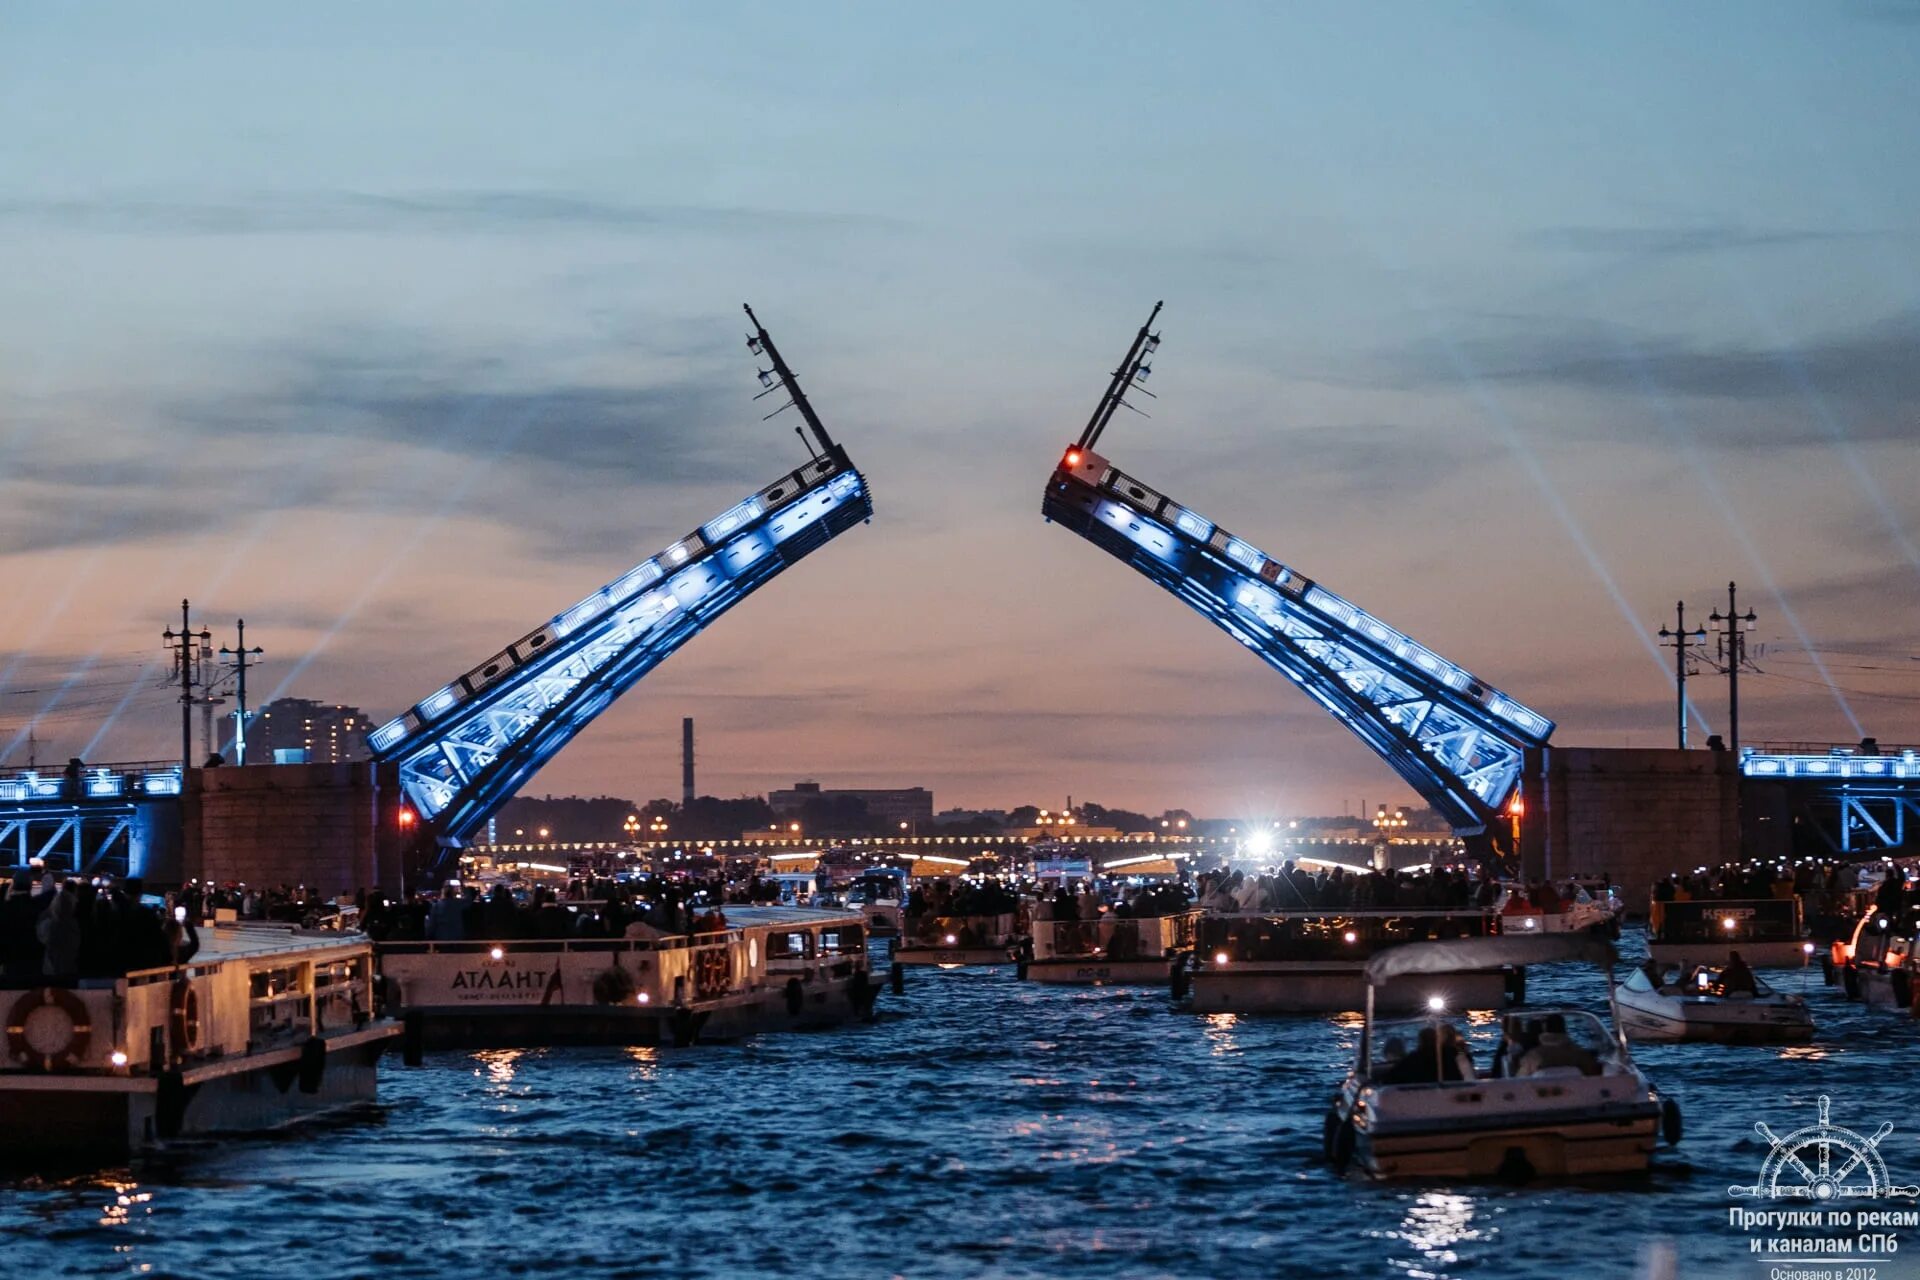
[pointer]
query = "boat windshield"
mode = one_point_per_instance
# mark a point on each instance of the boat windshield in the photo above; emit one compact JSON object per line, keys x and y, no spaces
{"x":1556,"y":1042}
{"x":1428,"y":1050}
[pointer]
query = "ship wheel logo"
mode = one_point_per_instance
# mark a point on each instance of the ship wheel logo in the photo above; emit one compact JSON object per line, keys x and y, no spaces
{"x":1823,"y":1162}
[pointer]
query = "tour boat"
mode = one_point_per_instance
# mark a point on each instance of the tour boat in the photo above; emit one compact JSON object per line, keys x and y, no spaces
{"x":1574,"y":1105}
{"x":1107,"y":951}
{"x":1596,"y":906}
{"x":1315,"y":962}
{"x":266,"y":1024}
{"x":1695,"y":1005}
{"x":770,"y":968}
{"x":953,"y":941}
{"x":1767,"y":932}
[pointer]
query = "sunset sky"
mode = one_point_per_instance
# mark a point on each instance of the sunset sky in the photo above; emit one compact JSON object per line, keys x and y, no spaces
{"x":396,"y":329}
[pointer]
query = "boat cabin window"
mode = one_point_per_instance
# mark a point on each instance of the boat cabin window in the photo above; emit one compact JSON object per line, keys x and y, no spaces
{"x":847,"y":938}
{"x":794,"y":945}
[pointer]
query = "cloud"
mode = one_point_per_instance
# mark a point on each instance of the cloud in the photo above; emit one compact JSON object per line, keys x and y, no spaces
{"x":1670,"y":242}
{"x":1868,"y":372}
{"x":426,"y":212}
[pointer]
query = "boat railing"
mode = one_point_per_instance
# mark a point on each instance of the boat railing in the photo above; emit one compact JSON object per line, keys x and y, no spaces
{"x":962,"y":931}
{"x":1346,"y":936}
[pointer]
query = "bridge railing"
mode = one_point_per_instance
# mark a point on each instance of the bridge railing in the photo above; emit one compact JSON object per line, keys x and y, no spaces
{"x":94,"y":782}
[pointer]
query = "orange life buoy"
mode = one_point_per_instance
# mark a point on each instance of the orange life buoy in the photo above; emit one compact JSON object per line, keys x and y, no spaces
{"x":183,"y":1018}
{"x":710,"y":972}
{"x":35,"y":1037}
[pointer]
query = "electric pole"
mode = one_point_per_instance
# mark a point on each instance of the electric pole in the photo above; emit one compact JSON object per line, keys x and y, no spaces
{"x":182,"y":643}
{"x":1680,"y":640}
{"x":1731,"y":628}
{"x":242,"y":658}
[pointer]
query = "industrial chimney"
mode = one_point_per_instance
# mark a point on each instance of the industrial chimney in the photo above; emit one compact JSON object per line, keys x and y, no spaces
{"x":686,"y":761}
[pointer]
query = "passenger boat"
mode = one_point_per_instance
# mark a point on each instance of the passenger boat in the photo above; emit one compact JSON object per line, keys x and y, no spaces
{"x":1561,"y":1098}
{"x":769,"y":969}
{"x":1692,"y":1005}
{"x":1108,"y":951}
{"x":265,"y":1025}
{"x":1882,"y":957}
{"x":1593,"y":906}
{"x":1769,"y":933}
{"x":880,"y":894}
{"x":1316,"y":961}
{"x":954,"y":941}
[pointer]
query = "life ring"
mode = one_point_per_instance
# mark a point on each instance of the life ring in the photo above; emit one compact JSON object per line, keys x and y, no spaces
{"x":183,"y":1018}
{"x":37,"y":1039}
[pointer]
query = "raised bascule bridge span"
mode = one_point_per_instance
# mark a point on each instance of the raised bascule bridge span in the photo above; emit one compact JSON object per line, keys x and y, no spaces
{"x":1457,"y":741}
{"x":465,"y":749}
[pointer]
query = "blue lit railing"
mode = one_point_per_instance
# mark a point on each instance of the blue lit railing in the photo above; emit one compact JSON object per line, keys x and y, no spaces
{"x":1836,"y":765}
{"x":98,"y":783}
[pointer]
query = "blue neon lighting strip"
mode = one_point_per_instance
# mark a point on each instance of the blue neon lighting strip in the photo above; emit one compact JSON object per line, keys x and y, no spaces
{"x":1903,"y":767}
{"x":1456,"y":740}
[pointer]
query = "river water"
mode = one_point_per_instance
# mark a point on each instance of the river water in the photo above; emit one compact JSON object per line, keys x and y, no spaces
{"x":982,"y":1127}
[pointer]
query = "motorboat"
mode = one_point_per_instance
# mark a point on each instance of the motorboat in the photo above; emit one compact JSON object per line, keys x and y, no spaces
{"x":768,"y":968}
{"x":1695,"y":1004}
{"x":1108,"y":951}
{"x":1769,"y":933}
{"x":1560,"y":1095}
{"x":1881,"y":958}
{"x":1315,"y":961}
{"x":1581,"y":906}
{"x":266,"y":1024}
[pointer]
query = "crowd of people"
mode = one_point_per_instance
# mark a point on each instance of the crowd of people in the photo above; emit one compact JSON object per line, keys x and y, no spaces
{"x":1441,"y":1053}
{"x":588,"y":907}
{"x":58,"y":930}
{"x":1817,"y":882}
{"x":1293,"y":888}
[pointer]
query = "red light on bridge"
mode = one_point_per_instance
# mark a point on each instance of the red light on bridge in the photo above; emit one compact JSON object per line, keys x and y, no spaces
{"x":407,"y":816}
{"x":1516,"y":806}
{"x":1073,"y":458}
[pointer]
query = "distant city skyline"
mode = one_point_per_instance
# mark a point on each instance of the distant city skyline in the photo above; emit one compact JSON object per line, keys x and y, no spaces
{"x":1511,"y":324}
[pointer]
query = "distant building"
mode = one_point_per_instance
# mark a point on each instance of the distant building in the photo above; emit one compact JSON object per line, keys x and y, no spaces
{"x":890,"y":805}
{"x":325,"y":733}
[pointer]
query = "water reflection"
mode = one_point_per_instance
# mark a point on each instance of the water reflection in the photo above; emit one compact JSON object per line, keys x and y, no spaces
{"x":1436,"y":1223}
{"x":1220,"y":1033}
{"x":496,"y":1066}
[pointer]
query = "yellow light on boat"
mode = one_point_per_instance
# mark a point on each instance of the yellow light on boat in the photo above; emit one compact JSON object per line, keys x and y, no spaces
{"x":951,"y":939}
{"x":497,"y":953}
{"x":1219,"y":957}
{"x":1437,"y":1004}
{"x":118,"y":1059}
{"x":643,"y":998}
{"x":1727,"y":923}
{"x":1806,"y":948}
{"x":1351,"y":936}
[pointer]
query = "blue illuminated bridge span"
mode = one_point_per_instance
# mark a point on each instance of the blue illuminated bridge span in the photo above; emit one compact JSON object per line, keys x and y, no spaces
{"x":465,"y":749}
{"x":1455,"y":739}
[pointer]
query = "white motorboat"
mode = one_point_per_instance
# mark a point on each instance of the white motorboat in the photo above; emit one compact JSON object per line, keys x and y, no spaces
{"x":1560,"y":1097}
{"x":1695,"y":1004}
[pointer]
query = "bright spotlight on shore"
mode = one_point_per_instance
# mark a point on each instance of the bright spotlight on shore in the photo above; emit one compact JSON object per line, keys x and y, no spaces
{"x":1260,"y":844}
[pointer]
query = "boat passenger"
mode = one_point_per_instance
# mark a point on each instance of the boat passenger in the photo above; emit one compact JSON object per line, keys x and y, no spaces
{"x":446,"y":922}
{"x":1431,"y":1061}
{"x":1557,"y":1049}
{"x":59,"y":934}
